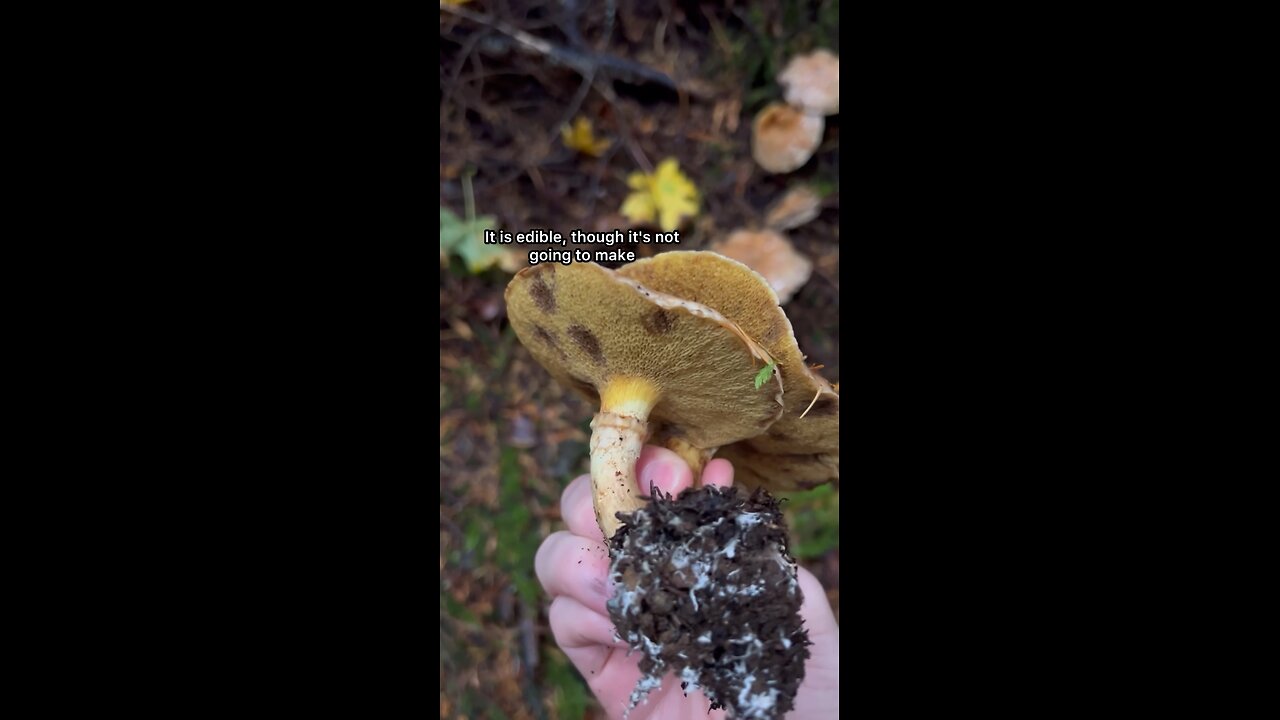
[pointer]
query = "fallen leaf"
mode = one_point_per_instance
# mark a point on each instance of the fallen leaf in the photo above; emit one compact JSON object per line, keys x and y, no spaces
{"x":466,"y":240}
{"x":667,"y":197}
{"x":580,"y":137}
{"x":462,"y":328}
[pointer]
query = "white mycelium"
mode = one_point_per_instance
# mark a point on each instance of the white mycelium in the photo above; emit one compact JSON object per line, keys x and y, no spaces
{"x":638,"y":695}
{"x":694,"y":564}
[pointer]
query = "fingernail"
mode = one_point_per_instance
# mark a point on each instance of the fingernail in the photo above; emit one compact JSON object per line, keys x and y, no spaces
{"x":659,"y":473}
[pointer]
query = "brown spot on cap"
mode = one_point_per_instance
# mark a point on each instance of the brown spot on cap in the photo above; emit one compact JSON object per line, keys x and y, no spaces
{"x":543,"y":296}
{"x":659,"y":322}
{"x":549,"y":339}
{"x":586,"y":341}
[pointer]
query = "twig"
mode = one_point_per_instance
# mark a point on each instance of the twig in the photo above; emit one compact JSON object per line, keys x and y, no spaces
{"x":462,"y":62}
{"x":594,"y":188}
{"x":577,"y":60}
{"x":628,"y":138}
{"x":574,"y":104}
{"x":815,"y":399}
{"x":582,"y":62}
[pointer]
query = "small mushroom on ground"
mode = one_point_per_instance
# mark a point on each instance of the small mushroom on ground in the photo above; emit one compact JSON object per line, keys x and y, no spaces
{"x":797,"y":207}
{"x":812,"y":82}
{"x":784,"y":138}
{"x":769,"y":253}
{"x":652,"y":359}
{"x":801,"y":449}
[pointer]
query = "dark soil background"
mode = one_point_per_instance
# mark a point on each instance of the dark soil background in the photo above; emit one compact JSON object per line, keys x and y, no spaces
{"x":510,"y":437}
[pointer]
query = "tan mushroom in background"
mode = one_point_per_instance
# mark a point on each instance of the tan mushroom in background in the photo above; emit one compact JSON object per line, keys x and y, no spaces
{"x":655,"y":362}
{"x":801,"y":449}
{"x":798,"y":206}
{"x":784,"y":138}
{"x":770,"y":254}
{"x":812,"y":82}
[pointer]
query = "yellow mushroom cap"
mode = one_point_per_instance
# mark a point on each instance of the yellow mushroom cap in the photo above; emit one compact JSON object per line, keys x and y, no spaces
{"x":812,"y":82}
{"x":770,"y":254}
{"x":784,"y":138}
{"x":744,"y":297}
{"x":588,"y":326}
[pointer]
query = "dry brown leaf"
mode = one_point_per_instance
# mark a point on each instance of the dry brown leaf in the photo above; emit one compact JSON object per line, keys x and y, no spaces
{"x":462,"y":328}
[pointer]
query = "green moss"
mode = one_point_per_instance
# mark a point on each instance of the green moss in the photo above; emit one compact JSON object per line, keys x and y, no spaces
{"x":814,"y":519}
{"x":568,"y":689}
{"x":517,"y":540}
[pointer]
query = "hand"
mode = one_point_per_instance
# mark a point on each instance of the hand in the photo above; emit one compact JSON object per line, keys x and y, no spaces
{"x":573,"y":568}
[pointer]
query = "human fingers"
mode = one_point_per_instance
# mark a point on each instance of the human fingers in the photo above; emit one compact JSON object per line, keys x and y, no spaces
{"x":656,"y":467}
{"x":585,"y":636}
{"x":663,"y":469}
{"x":567,"y":564}
{"x":577,"y":510}
{"x":718,"y":472}
{"x":816,"y":609}
{"x":819,"y":694}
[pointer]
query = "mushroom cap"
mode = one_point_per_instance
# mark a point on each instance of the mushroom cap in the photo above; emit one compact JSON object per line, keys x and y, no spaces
{"x":587,"y":325}
{"x":797,"y":207}
{"x":784,"y":138}
{"x":743,"y":296}
{"x":770,"y":254}
{"x":780,"y":472}
{"x":812,"y":82}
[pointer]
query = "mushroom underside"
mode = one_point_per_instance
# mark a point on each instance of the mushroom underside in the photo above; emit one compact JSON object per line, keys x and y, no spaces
{"x":810,"y":422}
{"x":652,"y":359}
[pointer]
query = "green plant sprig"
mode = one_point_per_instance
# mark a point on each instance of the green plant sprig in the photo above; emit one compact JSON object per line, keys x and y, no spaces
{"x":765,"y":373}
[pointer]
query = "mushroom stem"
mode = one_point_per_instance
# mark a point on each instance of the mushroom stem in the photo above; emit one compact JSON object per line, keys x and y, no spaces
{"x":618,"y":434}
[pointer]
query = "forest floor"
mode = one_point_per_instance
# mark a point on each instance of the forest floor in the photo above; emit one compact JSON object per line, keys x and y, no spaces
{"x":510,"y":437}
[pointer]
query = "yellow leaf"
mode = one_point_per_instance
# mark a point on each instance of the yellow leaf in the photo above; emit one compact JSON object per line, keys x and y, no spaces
{"x":580,"y":137}
{"x":667,"y":196}
{"x":638,"y":208}
{"x":638,"y":181}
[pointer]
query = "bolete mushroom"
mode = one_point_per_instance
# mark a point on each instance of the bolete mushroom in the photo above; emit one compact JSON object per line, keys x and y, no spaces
{"x":801,"y":449}
{"x":769,"y":253}
{"x":784,"y":138}
{"x":704,"y":584}
{"x":653,"y":360}
{"x":812,"y":82}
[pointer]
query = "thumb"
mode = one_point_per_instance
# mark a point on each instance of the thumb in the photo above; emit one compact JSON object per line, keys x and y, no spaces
{"x":662,"y":469}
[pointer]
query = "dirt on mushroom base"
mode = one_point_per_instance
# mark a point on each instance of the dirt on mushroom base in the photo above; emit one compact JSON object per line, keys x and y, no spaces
{"x":707,"y":590}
